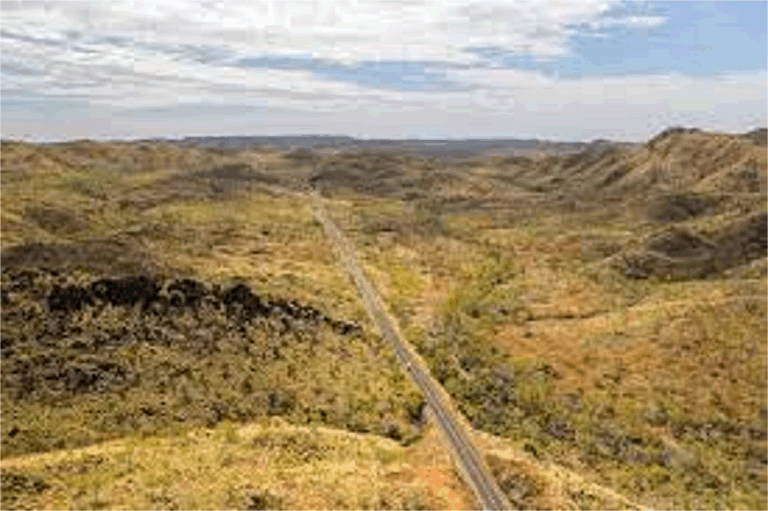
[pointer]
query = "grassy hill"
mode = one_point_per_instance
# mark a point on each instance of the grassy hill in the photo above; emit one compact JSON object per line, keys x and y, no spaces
{"x":149,"y":290}
{"x":174,"y":315}
{"x":605,"y":310}
{"x":264,"y":465}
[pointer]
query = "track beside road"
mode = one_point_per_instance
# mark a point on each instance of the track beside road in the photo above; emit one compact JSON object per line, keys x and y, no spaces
{"x":469,"y":461}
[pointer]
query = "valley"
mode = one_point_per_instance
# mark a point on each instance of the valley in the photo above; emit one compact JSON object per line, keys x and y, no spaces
{"x":597,"y":316}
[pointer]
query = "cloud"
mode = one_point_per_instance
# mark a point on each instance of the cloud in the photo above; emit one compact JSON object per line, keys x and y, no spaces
{"x":503,"y":103}
{"x":332,"y":30}
{"x":631,"y":22}
{"x":123,"y":52}
{"x":357,"y":65}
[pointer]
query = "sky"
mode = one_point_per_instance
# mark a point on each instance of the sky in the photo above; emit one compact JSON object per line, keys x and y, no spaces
{"x":550,"y":69}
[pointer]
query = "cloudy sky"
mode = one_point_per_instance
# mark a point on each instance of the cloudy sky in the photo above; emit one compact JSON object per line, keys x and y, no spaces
{"x":559,"y":69}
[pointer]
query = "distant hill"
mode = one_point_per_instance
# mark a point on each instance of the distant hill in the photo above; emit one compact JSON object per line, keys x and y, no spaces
{"x":450,"y":148}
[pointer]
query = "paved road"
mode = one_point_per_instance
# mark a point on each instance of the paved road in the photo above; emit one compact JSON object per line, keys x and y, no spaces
{"x":467,"y":458}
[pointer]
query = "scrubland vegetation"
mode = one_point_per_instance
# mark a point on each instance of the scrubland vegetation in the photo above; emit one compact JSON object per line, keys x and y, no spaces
{"x":600,"y":319}
{"x":606,"y":311}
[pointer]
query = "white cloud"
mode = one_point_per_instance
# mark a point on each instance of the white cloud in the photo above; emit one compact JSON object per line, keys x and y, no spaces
{"x":631,"y":108}
{"x":639,"y":22}
{"x":327,"y":29}
{"x":125,"y":58}
{"x":78,"y":42}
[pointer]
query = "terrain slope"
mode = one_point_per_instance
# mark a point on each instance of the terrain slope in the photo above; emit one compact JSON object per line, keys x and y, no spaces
{"x":176,"y":332}
{"x":605,"y":311}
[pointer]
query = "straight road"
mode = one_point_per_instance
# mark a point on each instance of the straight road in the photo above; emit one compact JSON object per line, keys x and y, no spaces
{"x":471,"y":464}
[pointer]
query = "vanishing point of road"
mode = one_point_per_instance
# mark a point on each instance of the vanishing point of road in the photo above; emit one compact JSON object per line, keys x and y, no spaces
{"x":469,"y":461}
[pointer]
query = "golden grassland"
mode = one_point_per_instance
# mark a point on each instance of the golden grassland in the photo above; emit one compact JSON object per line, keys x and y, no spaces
{"x":90,"y":210}
{"x":265,"y":465}
{"x":502,"y":272}
{"x":181,"y":210}
{"x":272,"y":464}
{"x":655,"y":387}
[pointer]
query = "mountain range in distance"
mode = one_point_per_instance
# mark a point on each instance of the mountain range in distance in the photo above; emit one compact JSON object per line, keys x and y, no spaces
{"x":429,"y":147}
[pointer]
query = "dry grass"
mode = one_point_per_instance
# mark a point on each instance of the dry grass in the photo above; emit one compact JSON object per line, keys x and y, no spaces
{"x":268,"y":465}
{"x":90,"y":210}
{"x":274,"y":465}
{"x":652,"y":390}
{"x":164,"y":201}
{"x":655,"y":388}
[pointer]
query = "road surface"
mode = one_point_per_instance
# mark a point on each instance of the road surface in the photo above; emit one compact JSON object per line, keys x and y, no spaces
{"x":467,"y":458}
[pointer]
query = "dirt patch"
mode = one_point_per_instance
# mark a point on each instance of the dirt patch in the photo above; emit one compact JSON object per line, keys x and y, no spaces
{"x":441,"y":483}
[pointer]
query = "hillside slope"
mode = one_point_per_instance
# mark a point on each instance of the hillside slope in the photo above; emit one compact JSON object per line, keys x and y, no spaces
{"x":151,"y":291}
{"x":598,"y":317}
{"x":600,"y":314}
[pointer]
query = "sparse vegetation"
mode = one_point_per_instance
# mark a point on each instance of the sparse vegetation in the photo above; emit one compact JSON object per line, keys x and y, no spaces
{"x":530,"y":316}
{"x":265,"y":465}
{"x":599,"y":313}
{"x":138,"y":298}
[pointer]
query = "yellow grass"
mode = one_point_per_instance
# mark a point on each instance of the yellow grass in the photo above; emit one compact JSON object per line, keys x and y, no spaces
{"x":266,"y":465}
{"x":625,"y":390}
{"x":525,"y":277}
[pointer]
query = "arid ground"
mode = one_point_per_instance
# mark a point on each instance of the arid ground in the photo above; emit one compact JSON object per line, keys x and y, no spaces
{"x":178,"y":333}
